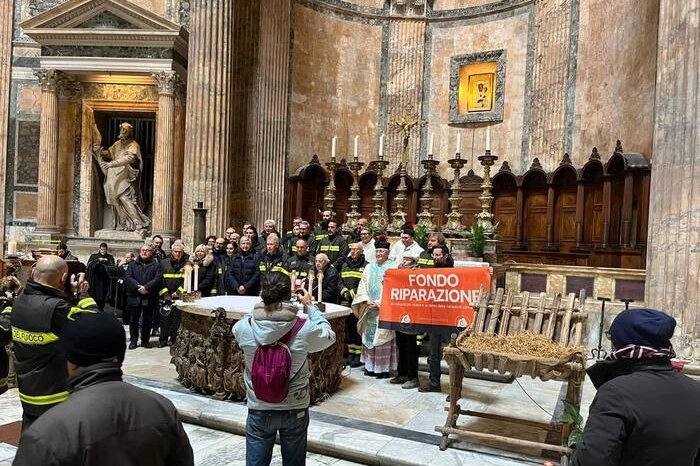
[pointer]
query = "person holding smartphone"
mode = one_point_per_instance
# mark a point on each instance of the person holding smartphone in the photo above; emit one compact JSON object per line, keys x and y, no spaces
{"x":271,"y":320}
{"x":38,"y":315}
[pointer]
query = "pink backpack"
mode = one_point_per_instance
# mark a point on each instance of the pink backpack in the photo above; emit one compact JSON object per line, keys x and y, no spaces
{"x":271,"y":371}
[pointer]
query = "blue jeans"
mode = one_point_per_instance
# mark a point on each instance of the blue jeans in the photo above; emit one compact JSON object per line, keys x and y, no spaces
{"x":261,"y":428}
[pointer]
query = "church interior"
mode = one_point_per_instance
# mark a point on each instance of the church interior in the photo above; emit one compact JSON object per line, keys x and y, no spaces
{"x":567,"y":128}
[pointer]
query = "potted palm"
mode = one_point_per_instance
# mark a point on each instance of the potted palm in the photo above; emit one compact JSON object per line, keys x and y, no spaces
{"x":477,"y":239}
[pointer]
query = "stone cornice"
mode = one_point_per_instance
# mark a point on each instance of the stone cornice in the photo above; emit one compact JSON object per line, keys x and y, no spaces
{"x":74,"y":12}
{"x":60,"y":26}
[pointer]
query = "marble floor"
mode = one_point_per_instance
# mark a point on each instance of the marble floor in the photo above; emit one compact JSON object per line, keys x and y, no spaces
{"x":368,"y":421}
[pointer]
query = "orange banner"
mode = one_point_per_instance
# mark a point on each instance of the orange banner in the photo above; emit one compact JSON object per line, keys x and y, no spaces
{"x":431,"y":300}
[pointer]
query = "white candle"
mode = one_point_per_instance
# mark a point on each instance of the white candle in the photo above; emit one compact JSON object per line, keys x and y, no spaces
{"x":196,"y":277}
{"x":12,"y":248}
{"x":430,"y":143}
{"x":310,"y":278}
{"x":354,"y":152}
{"x":319,"y":275}
{"x":333,"y":142}
{"x":188,"y":276}
{"x":381,"y":146}
{"x":293,"y":280}
{"x":488,"y":138}
{"x":459,"y":142}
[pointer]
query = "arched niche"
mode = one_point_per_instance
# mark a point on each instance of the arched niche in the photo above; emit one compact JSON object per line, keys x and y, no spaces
{"x":593,"y":203}
{"x":410,"y":207}
{"x":470,"y":190}
{"x":615,"y":171}
{"x":368,"y":182}
{"x":440,"y":195}
{"x":308,"y":186}
{"x":505,"y":205}
{"x":343,"y":181}
{"x":565,"y":191}
{"x":534,"y":186}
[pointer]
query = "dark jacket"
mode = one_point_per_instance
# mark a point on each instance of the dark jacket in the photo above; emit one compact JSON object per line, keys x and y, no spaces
{"x":173,"y":276}
{"x":311,"y":243}
{"x":350,"y":276}
{"x":330,"y":289}
{"x":221,"y":264}
{"x":143,"y":273}
{"x":107,"y":422}
{"x":644,"y":414}
{"x":97,"y":275}
{"x":335,"y":248}
{"x":273,"y":263}
{"x":206,"y":275}
{"x":37,"y":317}
{"x":300,"y":265}
{"x":244,"y":271}
{"x":5,"y":339}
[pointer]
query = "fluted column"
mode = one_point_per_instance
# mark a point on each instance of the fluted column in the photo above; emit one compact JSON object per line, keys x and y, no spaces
{"x":207,"y":176}
{"x":673,"y":251}
{"x":48,"y":152}
{"x":6,"y":32}
{"x":164,"y":174}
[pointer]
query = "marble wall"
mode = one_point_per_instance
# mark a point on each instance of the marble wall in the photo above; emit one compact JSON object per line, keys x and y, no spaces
{"x":336,"y":78}
{"x":615,"y":77}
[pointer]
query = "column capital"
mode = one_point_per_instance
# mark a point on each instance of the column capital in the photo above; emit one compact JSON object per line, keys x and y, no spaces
{"x":50,"y":80}
{"x":167,"y":81}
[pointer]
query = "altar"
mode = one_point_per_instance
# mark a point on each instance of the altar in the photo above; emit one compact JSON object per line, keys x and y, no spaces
{"x":208,"y":360}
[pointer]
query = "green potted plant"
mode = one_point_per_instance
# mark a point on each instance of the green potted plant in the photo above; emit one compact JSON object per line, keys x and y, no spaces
{"x":477,"y":239}
{"x":422,"y":234}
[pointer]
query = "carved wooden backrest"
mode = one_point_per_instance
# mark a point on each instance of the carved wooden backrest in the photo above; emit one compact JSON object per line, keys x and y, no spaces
{"x":505,"y":313}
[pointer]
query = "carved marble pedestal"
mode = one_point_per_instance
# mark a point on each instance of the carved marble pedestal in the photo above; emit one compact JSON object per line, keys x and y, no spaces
{"x":208,"y":359}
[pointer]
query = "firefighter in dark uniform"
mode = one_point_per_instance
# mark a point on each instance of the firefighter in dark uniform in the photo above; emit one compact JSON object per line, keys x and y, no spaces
{"x":172,"y":268}
{"x":37,"y":317}
{"x":300,"y":263}
{"x":305,"y":234}
{"x":334,"y":246}
{"x":273,"y":258}
{"x":350,"y":276}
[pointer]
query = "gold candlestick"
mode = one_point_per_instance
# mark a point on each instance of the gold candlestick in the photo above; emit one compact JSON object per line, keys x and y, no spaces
{"x":454,"y":218}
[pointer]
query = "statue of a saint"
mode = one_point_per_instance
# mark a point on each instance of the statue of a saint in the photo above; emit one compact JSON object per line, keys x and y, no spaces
{"x":121,"y":165}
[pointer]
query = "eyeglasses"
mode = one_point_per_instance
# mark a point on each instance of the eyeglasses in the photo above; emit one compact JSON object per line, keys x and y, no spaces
{"x":364,"y":234}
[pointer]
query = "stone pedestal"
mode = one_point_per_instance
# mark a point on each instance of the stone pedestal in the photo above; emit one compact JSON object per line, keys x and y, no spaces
{"x":673,"y":261}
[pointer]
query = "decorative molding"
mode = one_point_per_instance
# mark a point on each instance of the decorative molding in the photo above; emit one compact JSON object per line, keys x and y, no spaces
{"x":618,"y":147}
{"x":496,"y":112}
{"x":505,"y":167}
{"x":594,"y":154}
{"x":50,"y":79}
{"x":69,"y":90}
{"x":409,"y":8}
{"x":167,"y":81}
{"x":536,"y":163}
{"x":566,"y":160}
{"x":66,"y":24}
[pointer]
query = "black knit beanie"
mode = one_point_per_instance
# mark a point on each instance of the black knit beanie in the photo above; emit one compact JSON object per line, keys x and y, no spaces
{"x":93,"y":338}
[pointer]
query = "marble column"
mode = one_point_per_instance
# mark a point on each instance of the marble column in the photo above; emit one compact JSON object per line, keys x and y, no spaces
{"x":555,"y":35}
{"x":164,"y":164}
{"x":46,"y":223}
{"x":268,"y":129}
{"x":673,"y":249}
{"x":208,"y":164}
{"x":6,"y":32}
{"x":405,"y":87}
